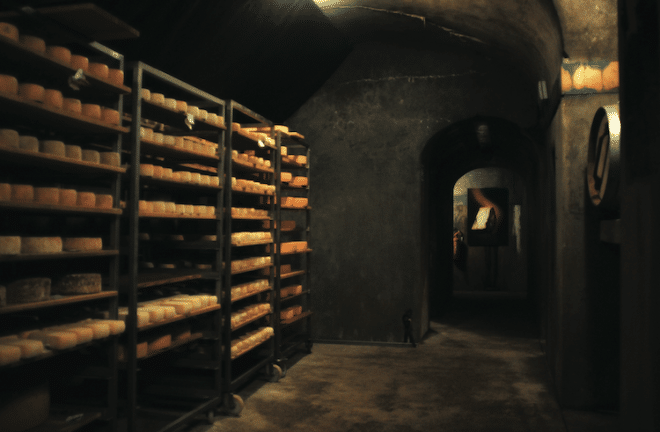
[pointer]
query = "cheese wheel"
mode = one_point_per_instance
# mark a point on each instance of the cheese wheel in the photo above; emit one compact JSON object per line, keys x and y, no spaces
{"x":99,"y":328}
{"x":169,"y":140}
{"x":302,"y":160}
{"x":158,"y":171}
{"x":41,"y":245}
{"x":80,"y":62}
{"x":180,"y":307}
{"x":47,"y":195}
{"x":116,"y":326}
{"x":83,"y":334}
{"x":160,"y":343}
{"x":146,"y":170}
{"x":213,"y":118}
{"x":91,"y":156}
{"x":197,"y":147}
{"x":214,"y":180}
{"x":142,"y":316}
{"x":33,"y":92}
{"x":56,"y":339}
{"x":205,"y":180}
{"x":176,"y":176}
{"x":155,"y":314}
{"x":159,"y":207}
{"x":104,"y":201}
{"x":9,"y":138}
{"x":8,"y":84}
{"x":28,"y":290}
{"x":99,"y":69}
{"x":200,"y":210}
{"x":110,"y":115}
{"x":33,"y":43}
{"x":186,"y":176}
{"x":146,"y":133}
{"x":170,"y":207}
{"x":84,"y":283}
{"x":86,"y":199}
{"x":179,"y":142}
{"x":203,"y":114}
{"x":146,"y":206}
{"x":28,"y":143}
{"x":157,"y":137}
{"x":10,"y":245}
{"x":68,"y":197}
{"x":72,"y":105}
{"x":110,"y":158}
{"x":9,"y":31}
{"x":53,"y":147}
{"x":286,"y":177}
{"x":73,"y":244}
{"x":170,"y":103}
{"x":181,"y":106}
{"x":29,"y":347}
{"x":59,"y":54}
{"x":180,"y":209}
{"x":187,"y":144}
{"x":158,"y":98}
{"x":193,"y":110}
{"x":53,"y":98}
{"x":9,"y":354}
{"x":146,"y":94}
{"x":116,"y":76}
{"x":210,"y":211}
{"x":190,"y":209}
{"x":91,"y":110}
{"x":195,"y":178}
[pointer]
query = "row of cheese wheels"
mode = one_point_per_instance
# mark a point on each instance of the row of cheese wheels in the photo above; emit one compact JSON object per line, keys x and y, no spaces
{"x":295,"y":159}
{"x":240,"y":212}
{"x":246,"y":237}
{"x":36,"y":342}
{"x":177,"y":237}
{"x":248,"y":313}
{"x":249,"y":288}
{"x":287,"y":225}
{"x":250,"y":157}
{"x":291,"y":180}
{"x":15,"y":245}
{"x":62,"y":55}
{"x":54,"y":99}
{"x":264,"y":139}
{"x":159,"y":172}
{"x":287,"y":202}
{"x":250,"y":340}
{"x":178,"y":265}
{"x":291,"y":291}
{"x":290,"y":247}
{"x":290,"y":312}
{"x":33,"y":290}
{"x":11,"y":138}
{"x":168,"y":307}
{"x":242,"y":185}
{"x":268,"y":130}
{"x":167,"y":207}
{"x":187,"y":143}
{"x":182,"y":107}
{"x":249,"y":263}
{"x":54,"y":196}
{"x":160,"y":341}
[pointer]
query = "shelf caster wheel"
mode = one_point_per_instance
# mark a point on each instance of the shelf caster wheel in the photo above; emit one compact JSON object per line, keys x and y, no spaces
{"x":284,"y":369}
{"x":276,"y":373}
{"x":210,"y":417}
{"x":308,"y":345}
{"x":235,"y":405}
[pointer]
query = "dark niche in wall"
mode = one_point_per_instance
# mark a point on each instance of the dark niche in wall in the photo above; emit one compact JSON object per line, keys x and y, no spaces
{"x":488,"y":219}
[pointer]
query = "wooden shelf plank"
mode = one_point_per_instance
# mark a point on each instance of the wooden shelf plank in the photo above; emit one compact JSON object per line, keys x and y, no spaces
{"x":177,"y":216}
{"x":251,"y":349}
{"x":241,"y":191}
{"x":292,"y":274}
{"x":266,"y":289}
{"x":252,"y":217}
{"x":176,"y":318}
{"x":297,"y":252}
{"x":252,"y":243}
{"x":177,"y":153}
{"x":174,"y":345}
{"x":234,"y":272}
{"x":294,"y":296}
{"x":249,"y":166}
{"x":47,"y":208}
{"x":60,"y":300}
{"x":178,"y":185}
{"x":251,"y":320}
{"x":295,"y":318}
{"x":33,"y":159}
{"x":58,"y":255}
{"x":176,"y":118}
{"x":157,"y":278}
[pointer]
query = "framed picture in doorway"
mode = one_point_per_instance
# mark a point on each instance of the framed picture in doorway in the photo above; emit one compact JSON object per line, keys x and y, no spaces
{"x":488,"y":219}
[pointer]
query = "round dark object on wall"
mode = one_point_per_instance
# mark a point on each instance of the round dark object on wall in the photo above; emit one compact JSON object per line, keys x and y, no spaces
{"x":604,"y":159}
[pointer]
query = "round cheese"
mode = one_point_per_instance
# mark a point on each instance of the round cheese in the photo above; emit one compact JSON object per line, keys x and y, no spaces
{"x":158,"y":171}
{"x":158,"y":98}
{"x":86,"y":199}
{"x":213,"y":118}
{"x":75,"y":244}
{"x":187,"y":144}
{"x":47,"y":195}
{"x":146,"y":206}
{"x":9,"y":138}
{"x":33,"y":92}
{"x":28,"y":143}
{"x":33,"y":43}
{"x":29,"y":348}
{"x":80,"y":62}
{"x":169,"y":140}
{"x":200,"y":210}
{"x":210,"y":211}
{"x":53,"y":147}
{"x":160,"y":343}
{"x":85,"y":283}
{"x":180,"y":307}
{"x":99,"y":69}
{"x":116,"y":326}
{"x":22,"y":193}
{"x":158,"y":137}
{"x":83,"y":334}
{"x":198,"y":147}
{"x":59,"y":54}
{"x":91,"y":110}
{"x":9,"y":354}
{"x":28,"y":291}
{"x":167,"y":173}
{"x":181,"y":106}
{"x":10,"y":245}
{"x":205,"y":180}
{"x":159,"y":207}
{"x":99,"y":328}
{"x":214,"y":180}
{"x":116,"y":77}
{"x":146,"y":170}
{"x":110,"y":115}
{"x":180,"y":209}
{"x":176,"y":176}
{"x":104,"y":201}
{"x":195,"y":178}
{"x":146,"y":133}
{"x":53,"y":98}
{"x":190,"y":209}
{"x":179,"y":142}
{"x":41,"y":245}
{"x":203,"y":114}
{"x":91,"y":156}
{"x":170,"y":103}
{"x":110,"y":158}
{"x":193,"y":110}
{"x":170,"y":207}
{"x":8,"y":84}
{"x":146,"y":94}
{"x":72,"y":105}
{"x":186,"y":176}
{"x":5,"y":192}
{"x":68,"y":197}
{"x":155,"y":313}
{"x":9,"y":31}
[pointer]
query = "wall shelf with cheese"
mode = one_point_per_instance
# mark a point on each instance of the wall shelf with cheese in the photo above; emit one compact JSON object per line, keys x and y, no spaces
{"x":171,"y":285}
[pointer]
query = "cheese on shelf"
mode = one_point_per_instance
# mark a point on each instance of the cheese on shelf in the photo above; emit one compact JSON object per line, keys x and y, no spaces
{"x":82,"y":244}
{"x":181,"y":106}
{"x":92,"y":110}
{"x":99,"y":69}
{"x":146,"y":170}
{"x":55,"y":339}
{"x":9,"y":31}
{"x":142,"y":316}
{"x":33,"y":43}
{"x":73,"y":152}
{"x":80,"y":62}
{"x":3,"y":296}
{"x":286,"y":177}
{"x":8,"y":84}
{"x":47,"y":195}
{"x":28,"y":143}
{"x":31,"y":91}
{"x":10,"y":245}
{"x":83,"y":283}
{"x":146,"y":133}
{"x":5,"y":192}
{"x":159,"y":206}
{"x":99,"y":328}
{"x":86,"y":199}
{"x":170,"y":103}
{"x":159,"y":343}
{"x":116,"y":76}
{"x":92,"y":156}
{"x":53,"y":98}
{"x":9,"y":138}
{"x":68,"y":197}
{"x":158,"y":137}
{"x":146,"y":94}
{"x":41,"y":245}
{"x":72,"y":105}
{"x":180,"y":307}
{"x":167,"y":173}
{"x":29,"y":347}
{"x":155,"y":313}
{"x":104,"y":201}
{"x":110,"y":115}
{"x":60,"y":54}
{"x":168,"y":140}
{"x":53,"y":147}
{"x":9,"y":354}
{"x":110,"y":158}
{"x":158,"y":98}
{"x":83,"y":334}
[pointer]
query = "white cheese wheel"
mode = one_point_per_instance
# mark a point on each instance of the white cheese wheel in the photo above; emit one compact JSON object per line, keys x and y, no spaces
{"x":68,"y":197}
{"x":180,"y":209}
{"x":146,"y":94}
{"x":29,"y":347}
{"x":181,"y":106}
{"x":91,"y":156}
{"x":28,"y":291}
{"x":116,"y":326}
{"x":33,"y":43}
{"x":155,"y":313}
{"x":73,"y":244}
{"x":33,"y":92}
{"x":55,"y":339}
{"x":146,"y":133}
{"x":80,"y":62}
{"x":110,"y":158}
{"x":186,"y":176}
{"x":170,"y":103}
{"x":190,"y":209}
{"x":104,"y":201}
{"x":142,"y":316}
{"x":92,"y":110}
{"x":169,"y":140}
{"x":160,"y":343}
{"x":195,"y":178}
{"x":72,"y":105}
{"x":53,"y":147}
{"x":10,"y":245}
{"x":157,"y":137}
{"x":59,"y":54}
{"x":9,"y":354}
{"x":9,"y":31}
{"x":86,"y":199}
{"x":53,"y":98}
{"x":99,"y":69}
{"x":116,"y":76}
{"x":9,"y":138}
{"x":84,"y":283}
{"x":47,"y":195}
{"x":83,"y":334}
{"x":158,"y":171}
{"x":180,"y":307}
{"x":100,"y":329}
{"x":110,"y":115}
{"x":193,"y":110}
{"x":170,"y":207}
{"x":28,"y":143}
{"x":146,"y":170}
{"x":158,"y":98}
{"x":159,"y":207}
{"x":146,"y":206}
{"x":8,"y":84}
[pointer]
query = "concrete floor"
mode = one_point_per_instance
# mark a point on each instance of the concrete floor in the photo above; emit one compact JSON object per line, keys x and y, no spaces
{"x":480,"y":369}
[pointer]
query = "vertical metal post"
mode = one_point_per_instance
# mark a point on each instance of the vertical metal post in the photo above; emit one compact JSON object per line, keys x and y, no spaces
{"x":226,"y":242}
